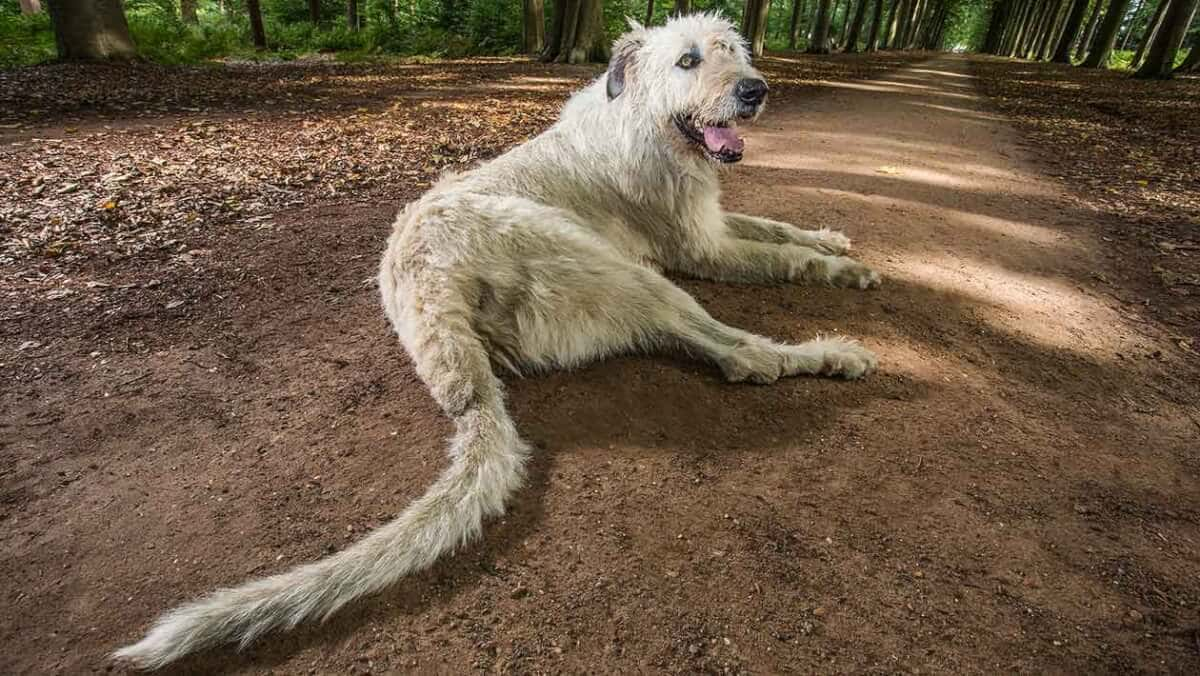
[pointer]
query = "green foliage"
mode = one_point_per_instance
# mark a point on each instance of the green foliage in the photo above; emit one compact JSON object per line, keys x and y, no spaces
{"x":24,"y":40}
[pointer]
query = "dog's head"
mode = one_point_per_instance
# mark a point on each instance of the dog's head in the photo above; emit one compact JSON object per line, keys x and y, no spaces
{"x":693,"y":77}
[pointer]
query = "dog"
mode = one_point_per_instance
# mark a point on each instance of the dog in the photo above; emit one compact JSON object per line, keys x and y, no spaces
{"x":548,"y":257}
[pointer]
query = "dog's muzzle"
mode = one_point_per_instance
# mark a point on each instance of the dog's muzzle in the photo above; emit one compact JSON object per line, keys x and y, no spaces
{"x":750,"y":94}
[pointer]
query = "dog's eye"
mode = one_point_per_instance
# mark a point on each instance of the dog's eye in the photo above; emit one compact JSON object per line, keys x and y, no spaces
{"x":688,"y":61}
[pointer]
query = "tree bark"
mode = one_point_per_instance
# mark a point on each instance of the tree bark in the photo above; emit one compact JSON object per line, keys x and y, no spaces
{"x":846,"y":22}
{"x":534,"y":25}
{"x":754,"y":24}
{"x":1047,"y":41}
{"x":1149,"y":33}
{"x":820,"y":39}
{"x":1191,"y":64}
{"x":256,"y":24}
{"x":1062,"y":53}
{"x":887,"y":40}
{"x":649,"y":12}
{"x":683,"y":7}
{"x":577,"y":35}
{"x":794,"y":28}
{"x":91,"y":30}
{"x":352,"y":14}
{"x":1106,"y":35}
{"x":314,"y":11}
{"x":187,"y":11}
{"x":1160,"y":58}
{"x":1132,"y":23}
{"x":860,"y":16}
{"x":1094,"y":20}
{"x":31,"y":7}
{"x":876,"y":24}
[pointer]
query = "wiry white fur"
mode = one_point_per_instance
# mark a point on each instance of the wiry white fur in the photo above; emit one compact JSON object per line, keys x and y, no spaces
{"x":548,"y":257}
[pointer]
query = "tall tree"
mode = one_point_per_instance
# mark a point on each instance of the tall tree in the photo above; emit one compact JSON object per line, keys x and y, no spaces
{"x":1191,"y":64}
{"x":1093,"y":20}
{"x":533,"y":16}
{"x":860,"y":15}
{"x":1133,"y":19}
{"x":876,"y":23}
{"x":31,"y":7}
{"x":187,"y":12}
{"x":888,"y":39}
{"x":1062,"y":53}
{"x":820,"y":36}
{"x":577,"y":32}
{"x":754,"y":24}
{"x":314,"y":11}
{"x":794,"y":28}
{"x":1160,"y":58}
{"x":846,"y":21}
{"x":352,"y":14}
{"x":1106,"y":35}
{"x":91,"y":30}
{"x":683,"y":7}
{"x":257,"y":34}
{"x":1150,"y":31}
{"x":649,"y":12}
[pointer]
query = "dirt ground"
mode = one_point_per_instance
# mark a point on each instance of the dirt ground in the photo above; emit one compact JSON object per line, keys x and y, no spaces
{"x":1017,"y":488}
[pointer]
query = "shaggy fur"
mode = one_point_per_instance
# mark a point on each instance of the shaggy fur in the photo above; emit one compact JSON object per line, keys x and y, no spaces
{"x":549,"y":257}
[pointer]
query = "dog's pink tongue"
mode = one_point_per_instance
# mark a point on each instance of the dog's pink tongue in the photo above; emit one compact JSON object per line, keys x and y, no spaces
{"x":722,"y":138}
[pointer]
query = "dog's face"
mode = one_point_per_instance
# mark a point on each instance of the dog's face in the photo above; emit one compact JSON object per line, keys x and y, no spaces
{"x":693,"y":76}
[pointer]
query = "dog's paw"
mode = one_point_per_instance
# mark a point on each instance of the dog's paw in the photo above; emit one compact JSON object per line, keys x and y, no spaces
{"x":830,"y":241}
{"x":839,"y":357}
{"x":850,"y":274}
{"x":843,"y":357}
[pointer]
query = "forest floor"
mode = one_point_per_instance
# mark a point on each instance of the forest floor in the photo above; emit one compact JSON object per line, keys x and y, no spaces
{"x":197,"y":384}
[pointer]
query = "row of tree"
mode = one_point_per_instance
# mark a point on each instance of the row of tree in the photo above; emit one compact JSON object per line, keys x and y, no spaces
{"x":1056,"y":30}
{"x":1059,"y":30}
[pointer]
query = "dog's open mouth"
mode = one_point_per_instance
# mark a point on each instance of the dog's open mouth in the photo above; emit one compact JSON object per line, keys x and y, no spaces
{"x":719,"y":140}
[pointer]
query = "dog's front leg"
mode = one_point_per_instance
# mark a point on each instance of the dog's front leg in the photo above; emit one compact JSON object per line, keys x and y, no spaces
{"x":729,"y":259}
{"x":758,"y":229}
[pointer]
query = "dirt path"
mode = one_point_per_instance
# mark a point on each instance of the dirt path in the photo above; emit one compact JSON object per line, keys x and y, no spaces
{"x":1016,"y":489}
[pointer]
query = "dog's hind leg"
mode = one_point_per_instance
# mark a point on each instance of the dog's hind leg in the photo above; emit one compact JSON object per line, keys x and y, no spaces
{"x":602,"y":305}
{"x":758,"y":229}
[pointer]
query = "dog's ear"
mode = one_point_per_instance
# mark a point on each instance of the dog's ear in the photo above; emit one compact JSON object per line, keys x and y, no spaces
{"x":623,"y":54}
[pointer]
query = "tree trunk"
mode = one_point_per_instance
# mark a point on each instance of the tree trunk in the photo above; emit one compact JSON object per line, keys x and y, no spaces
{"x":1106,"y":35}
{"x":1062,"y":53}
{"x":888,"y":39}
{"x":577,"y":35}
{"x":683,"y":7}
{"x":649,"y":12}
{"x":1160,"y":58}
{"x":1047,"y":41}
{"x":794,"y":28}
{"x":846,"y":22}
{"x":1149,"y":33}
{"x":754,"y":24}
{"x":820,"y":39}
{"x":31,"y":7}
{"x":1132,"y":22}
{"x":314,"y":11}
{"x":534,"y":23}
{"x":352,"y":14}
{"x":876,"y":24}
{"x":860,"y":16}
{"x":1094,"y":20}
{"x":1190,"y":64}
{"x":256,"y":24}
{"x":91,"y":30}
{"x":187,"y":11}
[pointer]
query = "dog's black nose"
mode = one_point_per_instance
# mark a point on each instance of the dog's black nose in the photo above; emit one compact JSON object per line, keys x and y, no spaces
{"x":750,"y":92}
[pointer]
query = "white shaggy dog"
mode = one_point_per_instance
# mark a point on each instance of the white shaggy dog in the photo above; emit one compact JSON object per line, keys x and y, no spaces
{"x":548,"y":257}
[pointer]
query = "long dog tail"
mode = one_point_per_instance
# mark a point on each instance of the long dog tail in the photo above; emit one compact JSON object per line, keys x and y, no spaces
{"x":487,"y":465}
